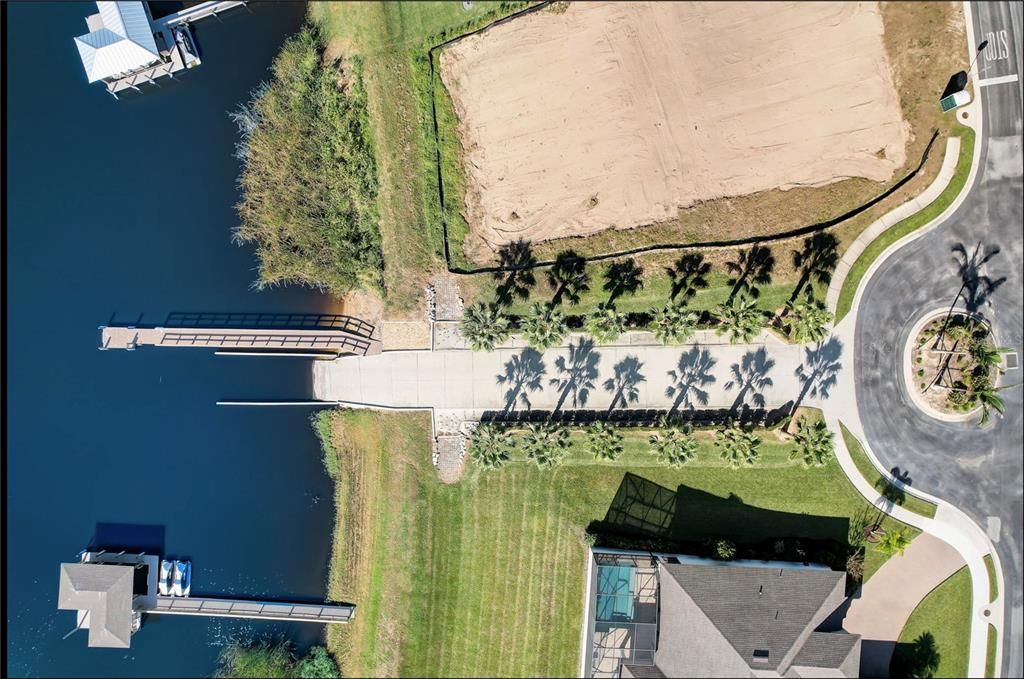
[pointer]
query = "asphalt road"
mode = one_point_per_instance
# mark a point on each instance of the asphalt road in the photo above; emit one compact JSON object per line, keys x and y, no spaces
{"x":979,"y":470}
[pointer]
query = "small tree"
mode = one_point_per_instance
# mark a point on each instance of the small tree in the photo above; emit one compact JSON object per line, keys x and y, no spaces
{"x":673,"y":324}
{"x":987,"y":357}
{"x":317,"y":664}
{"x":568,"y":277}
{"x":808,"y":319}
{"x":674,"y":445}
{"x":491,"y":446}
{"x":814,"y":443}
{"x":741,"y":319}
{"x":545,"y":327}
{"x":893,"y":542}
{"x":604,"y":441}
{"x":738,"y":446}
{"x":606,"y":323}
{"x":546,"y":444}
{"x":485,"y":326}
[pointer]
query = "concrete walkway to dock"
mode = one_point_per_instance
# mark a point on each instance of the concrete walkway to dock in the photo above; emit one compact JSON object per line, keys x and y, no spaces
{"x":635,"y":373}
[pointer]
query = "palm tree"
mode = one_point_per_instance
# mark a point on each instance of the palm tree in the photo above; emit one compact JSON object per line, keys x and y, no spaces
{"x":491,"y":446}
{"x":604,"y":441}
{"x":814,"y":441}
{"x":741,"y":319}
{"x":484,"y":326}
{"x":673,"y":324}
{"x":688,"y":275}
{"x":738,"y":446}
{"x":807,"y":320}
{"x":545,"y":326}
{"x":751,"y":266}
{"x":568,"y":277}
{"x":893,"y":542}
{"x":674,"y":444}
{"x":622,"y":276}
{"x":987,"y":396}
{"x":515,"y":271}
{"x":987,"y":357}
{"x":546,"y":444}
{"x":816,"y":259}
{"x":606,"y":324}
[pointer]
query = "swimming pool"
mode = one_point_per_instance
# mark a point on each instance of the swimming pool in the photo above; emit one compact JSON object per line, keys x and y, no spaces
{"x":615,"y":592}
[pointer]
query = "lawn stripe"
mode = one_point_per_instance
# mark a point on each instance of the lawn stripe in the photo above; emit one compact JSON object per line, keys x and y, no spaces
{"x":508,"y":535}
{"x":557,"y":568}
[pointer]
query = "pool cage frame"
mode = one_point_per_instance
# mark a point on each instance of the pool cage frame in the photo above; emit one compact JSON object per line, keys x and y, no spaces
{"x":625,"y":638}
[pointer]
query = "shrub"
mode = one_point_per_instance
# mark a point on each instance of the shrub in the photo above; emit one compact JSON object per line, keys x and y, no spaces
{"x":309,"y":182}
{"x":546,"y":444}
{"x":318,"y":664}
{"x":589,"y":539}
{"x":814,"y":443}
{"x":545,"y":327}
{"x":673,"y":324}
{"x":604,"y":441}
{"x":674,"y":445}
{"x":490,"y":446}
{"x":606,"y":323}
{"x":855,"y":565}
{"x":725,"y":550}
{"x":485,"y":326}
{"x":738,"y":446}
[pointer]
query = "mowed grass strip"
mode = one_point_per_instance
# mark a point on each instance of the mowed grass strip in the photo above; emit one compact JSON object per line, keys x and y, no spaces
{"x":945,"y":614}
{"x":878,"y":481}
{"x":485,"y":577}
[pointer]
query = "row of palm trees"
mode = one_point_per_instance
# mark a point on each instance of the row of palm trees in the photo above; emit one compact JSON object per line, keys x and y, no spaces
{"x":673,"y":443}
{"x":487,"y":324}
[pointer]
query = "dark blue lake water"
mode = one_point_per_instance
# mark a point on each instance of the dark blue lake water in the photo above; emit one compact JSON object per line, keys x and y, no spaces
{"x":127,"y":207}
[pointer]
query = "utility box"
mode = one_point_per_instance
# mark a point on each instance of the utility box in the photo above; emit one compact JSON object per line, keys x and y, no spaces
{"x":955,"y":100}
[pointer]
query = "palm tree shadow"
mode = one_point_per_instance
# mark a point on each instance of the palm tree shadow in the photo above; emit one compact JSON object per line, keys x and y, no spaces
{"x":819,"y":371}
{"x":817,"y":259}
{"x":687,"y":275}
{"x":576,"y":373}
{"x":568,"y":277}
{"x":691,"y":375}
{"x":523,"y":374}
{"x":624,"y":384}
{"x":515,"y":275}
{"x":750,"y":379}
{"x":622,"y":277}
{"x":975,"y":287}
{"x":752,"y":267}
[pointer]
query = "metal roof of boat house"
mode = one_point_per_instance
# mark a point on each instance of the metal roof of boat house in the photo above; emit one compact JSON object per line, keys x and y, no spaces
{"x":104,"y":593}
{"x":119,"y":42}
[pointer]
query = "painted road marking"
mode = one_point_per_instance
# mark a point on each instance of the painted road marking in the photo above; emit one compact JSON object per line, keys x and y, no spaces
{"x":998,"y":47}
{"x":999,"y":80}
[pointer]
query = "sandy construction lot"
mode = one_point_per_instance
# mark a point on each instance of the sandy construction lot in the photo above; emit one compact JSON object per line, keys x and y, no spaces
{"x":616,"y":115}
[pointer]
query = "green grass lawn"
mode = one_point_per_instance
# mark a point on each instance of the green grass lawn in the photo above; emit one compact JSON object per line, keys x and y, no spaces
{"x":991,"y":648}
{"x":485,"y":577}
{"x":993,"y":583}
{"x":881,"y":483}
{"x":908,"y":225}
{"x":945,"y":614}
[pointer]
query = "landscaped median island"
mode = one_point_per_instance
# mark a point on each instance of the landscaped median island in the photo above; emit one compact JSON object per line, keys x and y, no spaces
{"x":935,"y":641}
{"x":485,"y":576}
{"x":879,"y":481}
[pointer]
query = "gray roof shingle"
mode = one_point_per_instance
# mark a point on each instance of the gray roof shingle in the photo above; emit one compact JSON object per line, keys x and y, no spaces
{"x":762,"y":611}
{"x":826,"y":649}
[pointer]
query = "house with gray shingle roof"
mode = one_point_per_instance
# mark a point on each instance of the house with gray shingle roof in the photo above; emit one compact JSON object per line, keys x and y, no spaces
{"x":716,"y":619}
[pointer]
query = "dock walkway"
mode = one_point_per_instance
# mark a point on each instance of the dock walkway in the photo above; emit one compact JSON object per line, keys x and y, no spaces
{"x":253,"y":610}
{"x":338,"y":341}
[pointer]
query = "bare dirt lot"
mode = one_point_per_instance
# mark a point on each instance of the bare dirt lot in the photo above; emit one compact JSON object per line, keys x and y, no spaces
{"x":617,"y":115}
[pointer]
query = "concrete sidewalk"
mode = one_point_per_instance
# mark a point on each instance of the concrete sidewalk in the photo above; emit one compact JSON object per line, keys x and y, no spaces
{"x":577,"y":376}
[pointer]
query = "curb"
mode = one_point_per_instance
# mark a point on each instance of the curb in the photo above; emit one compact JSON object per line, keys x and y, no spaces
{"x":891,"y":218}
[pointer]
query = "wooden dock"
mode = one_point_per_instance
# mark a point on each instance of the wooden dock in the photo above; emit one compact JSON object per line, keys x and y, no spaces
{"x":254,"y":610}
{"x":286,"y":339}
